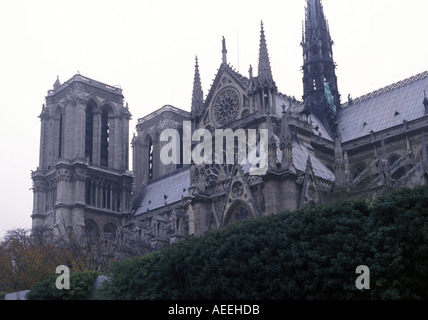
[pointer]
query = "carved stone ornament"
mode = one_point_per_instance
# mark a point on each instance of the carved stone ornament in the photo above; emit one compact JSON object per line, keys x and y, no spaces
{"x":226,"y":106}
{"x":237,"y":189}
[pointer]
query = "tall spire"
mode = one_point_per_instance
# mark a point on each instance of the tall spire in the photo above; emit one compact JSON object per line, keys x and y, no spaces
{"x":264,"y":71}
{"x":316,"y":25}
{"x":319,"y":66}
{"x":197,"y":94}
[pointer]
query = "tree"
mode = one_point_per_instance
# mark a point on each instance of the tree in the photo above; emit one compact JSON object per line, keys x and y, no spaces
{"x":23,"y":262}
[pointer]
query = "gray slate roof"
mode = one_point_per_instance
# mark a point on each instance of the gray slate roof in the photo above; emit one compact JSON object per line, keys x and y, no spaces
{"x":174,"y":187}
{"x":384,"y":108}
{"x":300,"y":159}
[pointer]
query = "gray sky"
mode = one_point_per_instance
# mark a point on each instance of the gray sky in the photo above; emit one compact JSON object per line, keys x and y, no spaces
{"x":149,"y":49}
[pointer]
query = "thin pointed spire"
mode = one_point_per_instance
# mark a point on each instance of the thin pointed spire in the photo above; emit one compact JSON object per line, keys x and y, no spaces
{"x":197,"y":94}
{"x":57,"y":84}
{"x":264,"y":71}
{"x":224,"y":51}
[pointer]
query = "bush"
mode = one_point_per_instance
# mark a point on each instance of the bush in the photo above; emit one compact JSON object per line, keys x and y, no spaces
{"x":81,"y":284}
{"x":307,"y":254}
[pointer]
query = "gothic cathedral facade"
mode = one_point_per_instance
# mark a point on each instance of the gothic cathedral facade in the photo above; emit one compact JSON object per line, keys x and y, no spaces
{"x":316,"y":147}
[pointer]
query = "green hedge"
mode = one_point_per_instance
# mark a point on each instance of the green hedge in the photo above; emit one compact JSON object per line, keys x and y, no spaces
{"x":81,"y":284}
{"x":307,"y":254}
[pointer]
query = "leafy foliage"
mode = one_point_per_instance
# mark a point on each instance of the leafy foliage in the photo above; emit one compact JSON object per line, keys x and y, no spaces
{"x":307,"y":254}
{"x":81,"y":284}
{"x":23,"y":261}
{"x":30,"y":256}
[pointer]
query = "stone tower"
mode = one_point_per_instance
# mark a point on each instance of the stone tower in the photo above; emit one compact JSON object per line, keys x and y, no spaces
{"x":82,"y":181}
{"x":319,"y":76}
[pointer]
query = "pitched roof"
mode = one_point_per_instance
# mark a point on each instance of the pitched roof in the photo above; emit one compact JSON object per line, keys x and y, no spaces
{"x":300,"y":159}
{"x":384,"y":108}
{"x":170,"y":189}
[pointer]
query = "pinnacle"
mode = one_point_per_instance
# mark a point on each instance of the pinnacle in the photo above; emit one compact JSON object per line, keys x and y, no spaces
{"x":197,"y":94}
{"x":265,"y":72}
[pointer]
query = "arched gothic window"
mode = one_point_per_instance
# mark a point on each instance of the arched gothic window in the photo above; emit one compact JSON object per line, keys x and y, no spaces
{"x":91,"y":229}
{"x":89,"y":130}
{"x":60,"y":137}
{"x":104,"y":138}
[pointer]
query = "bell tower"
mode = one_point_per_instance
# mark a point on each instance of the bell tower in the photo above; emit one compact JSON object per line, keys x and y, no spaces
{"x":320,"y":90}
{"x":82,"y":181}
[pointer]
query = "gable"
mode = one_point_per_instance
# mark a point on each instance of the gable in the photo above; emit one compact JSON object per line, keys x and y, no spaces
{"x":227,"y":100}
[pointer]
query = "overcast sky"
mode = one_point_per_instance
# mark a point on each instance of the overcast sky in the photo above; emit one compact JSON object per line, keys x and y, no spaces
{"x":149,"y":49}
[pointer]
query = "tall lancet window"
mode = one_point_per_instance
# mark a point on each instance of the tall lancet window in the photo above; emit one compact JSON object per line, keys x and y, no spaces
{"x":104,"y":138}
{"x":60,"y":137}
{"x":89,"y":131}
{"x":150,"y":159}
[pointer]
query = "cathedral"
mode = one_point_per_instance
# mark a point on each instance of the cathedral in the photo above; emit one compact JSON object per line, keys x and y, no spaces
{"x":316,"y":148}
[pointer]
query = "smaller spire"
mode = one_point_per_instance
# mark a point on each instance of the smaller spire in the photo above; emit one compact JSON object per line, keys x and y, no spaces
{"x":224,"y":51}
{"x":265,"y":72}
{"x":285,"y":129}
{"x":197,"y":94}
{"x":57,"y":84}
{"x":286,"y":144}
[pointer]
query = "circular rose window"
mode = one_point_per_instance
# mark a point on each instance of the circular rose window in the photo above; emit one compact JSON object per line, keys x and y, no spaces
{"x":226,"y":106}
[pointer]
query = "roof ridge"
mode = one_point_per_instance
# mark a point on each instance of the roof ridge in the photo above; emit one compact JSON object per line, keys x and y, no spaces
{"x":240,"y":77}
{"x":164,"y":108}
{"x":388,"y":88}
